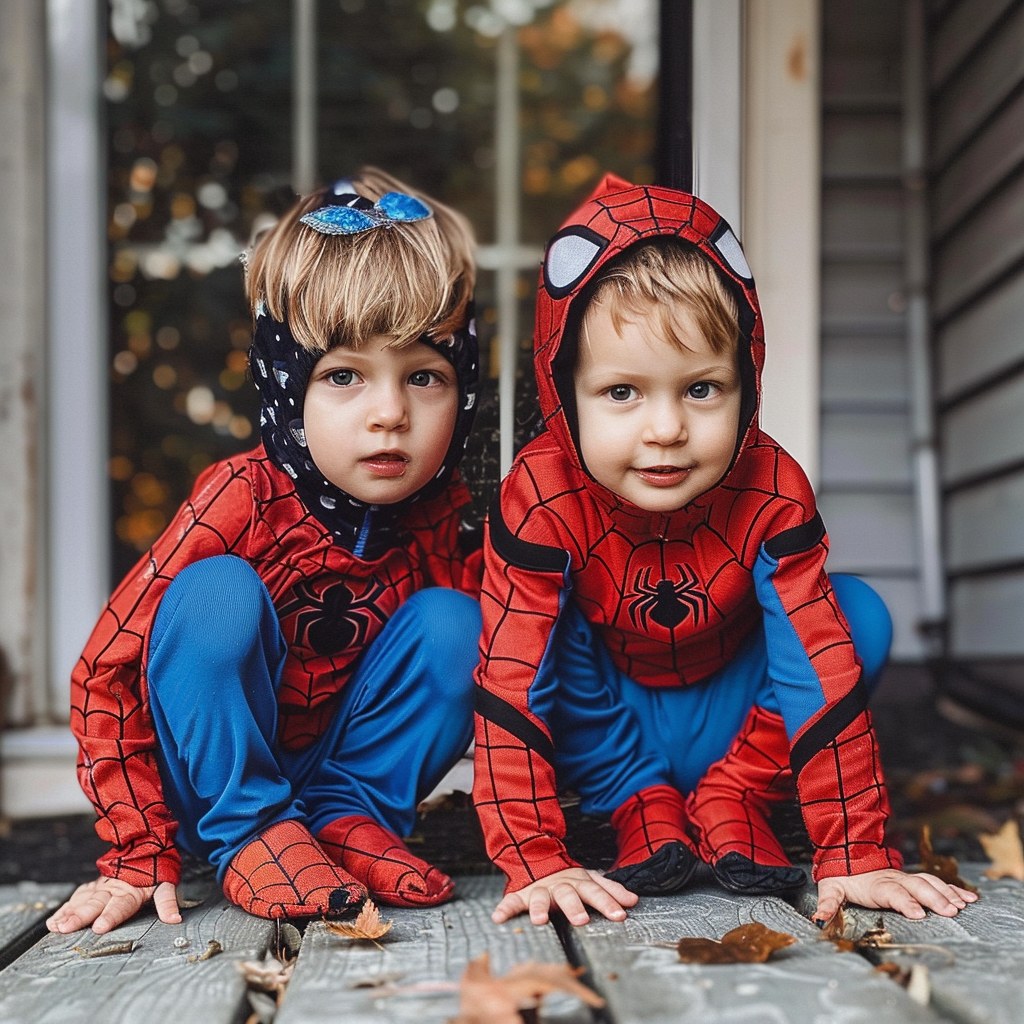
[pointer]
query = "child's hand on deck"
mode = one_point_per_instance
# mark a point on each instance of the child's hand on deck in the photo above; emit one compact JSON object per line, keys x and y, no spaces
{"x":567,"y":890}
{"x":911,"y":895}
{"x":108,"y":902}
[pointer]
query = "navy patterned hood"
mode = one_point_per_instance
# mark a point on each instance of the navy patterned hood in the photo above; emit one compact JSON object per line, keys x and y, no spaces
{"x":281,"y":369}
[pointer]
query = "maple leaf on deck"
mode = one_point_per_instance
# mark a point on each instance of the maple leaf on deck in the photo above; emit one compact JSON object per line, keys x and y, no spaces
{"x":1005,"y":851}
{"x":485,"y":999}
{"x":939,"y":865}
{"x":749,"y":944}
{"x":367,"y":925}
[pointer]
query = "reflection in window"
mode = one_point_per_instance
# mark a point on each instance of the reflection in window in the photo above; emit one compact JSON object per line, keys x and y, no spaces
{"x":199,"y":115}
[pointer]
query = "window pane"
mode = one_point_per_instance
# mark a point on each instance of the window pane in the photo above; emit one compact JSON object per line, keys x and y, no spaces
{"x":199,"y":115}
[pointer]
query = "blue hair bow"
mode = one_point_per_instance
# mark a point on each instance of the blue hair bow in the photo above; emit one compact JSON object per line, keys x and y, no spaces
{"x":350,"y":214}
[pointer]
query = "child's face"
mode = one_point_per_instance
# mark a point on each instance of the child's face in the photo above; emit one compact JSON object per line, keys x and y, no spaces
{"x":657,"y":423}
{"x":379,"y":421}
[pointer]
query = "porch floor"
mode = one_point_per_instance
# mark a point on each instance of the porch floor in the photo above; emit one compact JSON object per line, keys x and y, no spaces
{"x":958,"y":780}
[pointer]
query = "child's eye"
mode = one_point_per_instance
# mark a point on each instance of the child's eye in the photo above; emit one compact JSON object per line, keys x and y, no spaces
{"x":621,"y":393}
{"x":424,"y":378}
{"x":701,"y":390}
{"x":343,"y":378}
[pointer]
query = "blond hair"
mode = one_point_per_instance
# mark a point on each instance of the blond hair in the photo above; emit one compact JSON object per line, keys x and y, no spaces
{"x":405,"y":280}
{"x":668,"y":278}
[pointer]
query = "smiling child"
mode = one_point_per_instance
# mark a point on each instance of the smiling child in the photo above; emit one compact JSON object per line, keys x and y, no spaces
{"x":660,"y":634}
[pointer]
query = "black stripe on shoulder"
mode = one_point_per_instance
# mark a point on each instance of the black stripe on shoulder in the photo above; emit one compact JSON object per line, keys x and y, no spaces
{"x":513,"y":721}
{"x":828,"y":727}
{"x":797,"y":539}
{"x":521,"y":553}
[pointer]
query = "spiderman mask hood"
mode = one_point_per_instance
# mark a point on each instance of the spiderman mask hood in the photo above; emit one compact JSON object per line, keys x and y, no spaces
{"x":616,"y":218}
{"x":281,"y":368}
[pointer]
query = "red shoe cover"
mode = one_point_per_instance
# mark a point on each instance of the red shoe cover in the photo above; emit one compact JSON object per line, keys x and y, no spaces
{"x":729,"y":808}
{"x":656,"y":856}
{"x":284,"y":873}
{"x":384,"y":864}
{"x":647,"y":821}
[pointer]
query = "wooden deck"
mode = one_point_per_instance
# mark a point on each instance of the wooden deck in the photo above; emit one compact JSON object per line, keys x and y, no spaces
{"x":975,"y":964}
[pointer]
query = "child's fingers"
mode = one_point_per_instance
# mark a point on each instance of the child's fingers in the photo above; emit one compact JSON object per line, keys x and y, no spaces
{"x":961,"y":897}
{"x":618,"y":892}
{"x":567,"y":897}
{"x":829,"y":902}
{"x":85,"y":905}
{"x":165,"y":899}
{"x":510,"y":906}
{"x":120,"y":906}
{"x":540,"y":904}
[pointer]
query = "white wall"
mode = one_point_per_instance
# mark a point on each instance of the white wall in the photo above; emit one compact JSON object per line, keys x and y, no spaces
{"x":781,"y":219}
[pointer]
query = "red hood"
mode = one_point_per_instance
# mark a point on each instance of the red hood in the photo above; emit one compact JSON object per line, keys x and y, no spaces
{"x":616,"y":217}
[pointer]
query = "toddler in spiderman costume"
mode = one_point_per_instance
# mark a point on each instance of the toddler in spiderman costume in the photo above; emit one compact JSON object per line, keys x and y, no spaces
{"x":289,"y":669}
{"x":660,"y":634}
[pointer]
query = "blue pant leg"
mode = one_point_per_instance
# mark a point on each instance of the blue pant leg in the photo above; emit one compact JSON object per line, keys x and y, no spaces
{"x":601,"y":749}
{"x":215,"y":658}
{"x":870,"y":623}
{"x":694,"y":726}
{"x":405,"y":718}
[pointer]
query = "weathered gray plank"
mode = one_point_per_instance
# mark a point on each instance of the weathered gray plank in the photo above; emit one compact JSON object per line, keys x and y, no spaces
{"x":985,"y":982}
{"x":426,"y":947}
{"x":23,"y":908}
{"x":645,"y":984}
{"x":54,"y":984}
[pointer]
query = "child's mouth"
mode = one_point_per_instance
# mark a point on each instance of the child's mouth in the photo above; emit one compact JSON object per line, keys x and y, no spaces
{"x":663,"y":476}
{"x":386,"y":464}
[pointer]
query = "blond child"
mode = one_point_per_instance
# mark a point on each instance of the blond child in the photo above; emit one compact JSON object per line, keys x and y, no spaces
{"x":660,"y":634}
{"x":288,"y":670}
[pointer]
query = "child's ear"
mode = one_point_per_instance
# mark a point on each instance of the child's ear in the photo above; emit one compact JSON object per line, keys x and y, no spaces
{"x":608,"y":184}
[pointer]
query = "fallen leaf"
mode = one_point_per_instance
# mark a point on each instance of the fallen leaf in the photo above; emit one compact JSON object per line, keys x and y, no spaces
{"x":213,"y":947}
{"x":367,"y":925}
{"x":485,"y":999}
{"x":1005,"y":851}
{"x":945,"y":868}
{"x":266,"y":975}
{"x":116,"y":949}
{"x":894,"y":971}
{"x":749,"y":944}
{"x":919,"y":986}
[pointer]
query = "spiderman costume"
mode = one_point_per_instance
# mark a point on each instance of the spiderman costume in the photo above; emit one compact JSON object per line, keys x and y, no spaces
{"x":680,"y":670}
{"x":276,"y":654}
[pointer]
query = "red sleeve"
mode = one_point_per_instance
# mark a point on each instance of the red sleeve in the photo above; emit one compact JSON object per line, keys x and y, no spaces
{"x":817,"y":679}
{"x":110,"y":713}
{"x":514,"y":786}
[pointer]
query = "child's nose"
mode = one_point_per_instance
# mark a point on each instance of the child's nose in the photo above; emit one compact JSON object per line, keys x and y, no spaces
{"x":388,"y":410}
{"x":666,"y":425}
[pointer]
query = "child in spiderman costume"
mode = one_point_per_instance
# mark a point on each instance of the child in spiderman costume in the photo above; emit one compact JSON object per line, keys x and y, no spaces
{"x":660,"y":634}
{"x":289,"y":669}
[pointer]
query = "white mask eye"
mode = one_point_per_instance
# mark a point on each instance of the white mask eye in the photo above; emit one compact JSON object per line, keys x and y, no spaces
{"x":729,"y":249}
{"x":568,"y":258}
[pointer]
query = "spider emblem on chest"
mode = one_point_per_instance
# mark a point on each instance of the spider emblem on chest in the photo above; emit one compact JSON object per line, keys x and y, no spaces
{"x":333,"y":619}
{"x":667,"y":602}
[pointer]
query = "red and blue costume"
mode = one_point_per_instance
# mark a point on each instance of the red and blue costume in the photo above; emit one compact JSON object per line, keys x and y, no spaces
{"x":680,"y":671}
{"x":283,"y":652}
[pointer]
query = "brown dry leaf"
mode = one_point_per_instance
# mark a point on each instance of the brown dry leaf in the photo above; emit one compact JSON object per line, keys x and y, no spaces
{"x":367,"y":925}
{"x":939,"y":865}
{"x":894,"y":971}
{"x":749,"y":944}
{"x":485,"y":999}
{"x":834,"y":931}
{"x":1005,"y":851}
{"x":267,"y":975}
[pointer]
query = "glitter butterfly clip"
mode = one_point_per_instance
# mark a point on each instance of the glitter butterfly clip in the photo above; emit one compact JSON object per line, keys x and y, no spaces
{"x":351,"y":214}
